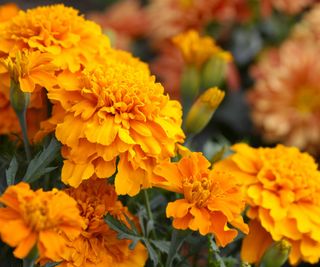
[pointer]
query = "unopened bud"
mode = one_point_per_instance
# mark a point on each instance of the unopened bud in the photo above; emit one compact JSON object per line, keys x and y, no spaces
{"x":19,"y":100}
{"x":202,"y":110}
{"x":214,"y":71}
{"x":276,"y":255}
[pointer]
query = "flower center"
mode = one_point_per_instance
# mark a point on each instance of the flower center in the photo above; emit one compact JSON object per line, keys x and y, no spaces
{"x":197,"y":190}
{"x":308,"y":100}
{"x":36,"y":213}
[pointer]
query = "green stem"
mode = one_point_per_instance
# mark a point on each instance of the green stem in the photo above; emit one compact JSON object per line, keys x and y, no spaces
{"x":23,"y":125}
{"x":28,"y":263}
{"x":149,"y":212}
{"x":211,"y":260}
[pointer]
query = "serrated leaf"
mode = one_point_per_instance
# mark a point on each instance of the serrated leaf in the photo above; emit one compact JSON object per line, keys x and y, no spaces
{"x":162,"y":245}
{"x":38,"y":166}
{"x":150,"y":227}
{"x":12,"y":171}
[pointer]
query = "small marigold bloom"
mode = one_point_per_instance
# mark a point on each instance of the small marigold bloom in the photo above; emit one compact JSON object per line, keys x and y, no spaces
{"x":126,"y":18}
{"x":202,"y":110}
{"x":114,"y":110}
{"x":285,"y":100}
{"x":211,"y":200}
{"x":45,"y":219}
{"x":197,"y":50}
{"x":7,"y":11}
{"x":282,"y":187}
{"x":31,"y":69}
{"x":98,"y":245}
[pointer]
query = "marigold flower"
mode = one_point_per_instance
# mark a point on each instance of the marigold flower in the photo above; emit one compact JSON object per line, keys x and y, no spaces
{"x":114,"y":110}
{"x":197,"y":50}
{"x":212,"y":200}
{"x":45,"y":219}
{"x":37,"y":36}
{"x":7,"y":11}
{"x":98,"y":245}
{"x":282,"y":187}
{"x":285,"y":100}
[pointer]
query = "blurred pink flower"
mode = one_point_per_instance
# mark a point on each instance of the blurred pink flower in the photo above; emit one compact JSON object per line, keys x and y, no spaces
{"x":285,"y":100}
{"x":127,"y":19}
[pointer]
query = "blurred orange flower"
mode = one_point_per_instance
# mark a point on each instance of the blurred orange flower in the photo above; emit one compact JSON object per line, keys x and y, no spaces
{"x":211,"y":200}
{"x":287,"y":6}
{"x":7,"y":11}
{"x":285,"y":100}
{"x":113,"y":110}
{"x":126,"y":18}
{"x":45,"y":219}
{"x":176,"y":16}
{"x":98,"y":245}
{"x":282,"y":186}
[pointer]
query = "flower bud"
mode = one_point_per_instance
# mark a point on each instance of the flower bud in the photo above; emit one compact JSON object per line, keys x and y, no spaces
{"x":276,"y":255}
{"x":202,"y":110}
{"x":19,"y":100}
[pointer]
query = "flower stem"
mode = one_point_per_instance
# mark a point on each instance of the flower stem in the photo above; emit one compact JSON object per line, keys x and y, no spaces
{"x":149,"y":212}
{"x":23,"y":125}
{"x":28,"y":263}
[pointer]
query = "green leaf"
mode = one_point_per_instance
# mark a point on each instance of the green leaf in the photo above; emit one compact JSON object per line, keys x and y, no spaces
{"x":162,"y":245}
{"x":12,"y":171}
{"x":38,"y":166}
{"x":177,"y":240}
{"x":52,"y":264}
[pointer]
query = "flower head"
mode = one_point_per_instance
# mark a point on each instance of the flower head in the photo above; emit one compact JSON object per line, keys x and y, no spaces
{"x":197,"y":50}
{"x":98,"y":245}
{"x":115,"y":109}
{"x":289,"y":7}
{"x":211,"y":199}
{"x":282,"y":187}
{"x":285,"y":100}
{"x":45,"y":219}
{"x":31,"y":69}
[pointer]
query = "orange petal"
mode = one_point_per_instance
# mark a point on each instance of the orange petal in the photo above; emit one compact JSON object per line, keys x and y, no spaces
{"x":178,"y":208}
{"x":25,"y":246}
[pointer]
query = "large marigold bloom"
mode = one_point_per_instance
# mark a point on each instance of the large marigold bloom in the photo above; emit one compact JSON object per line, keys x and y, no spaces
{"x":282,"y":187}
{"x":211,"y":200}
{"x":285,"y":100}
{"x":114,"y":110}
{"x":45,"y":219}
{"x":98,"y":245}
{"x":57,"y":32}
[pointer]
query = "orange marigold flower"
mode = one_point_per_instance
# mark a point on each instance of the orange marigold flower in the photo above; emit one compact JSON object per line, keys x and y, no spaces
{"x":285,"y":100}
{"x":211,"y":200}
{"x":282,"y":187}
{"x":7,"y":11}
{"x":196,"y":49}
{"x":115,"y":109}
{"x":57,"y":32}
{"x":45,"y":219}
{"x":98,"y":245}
